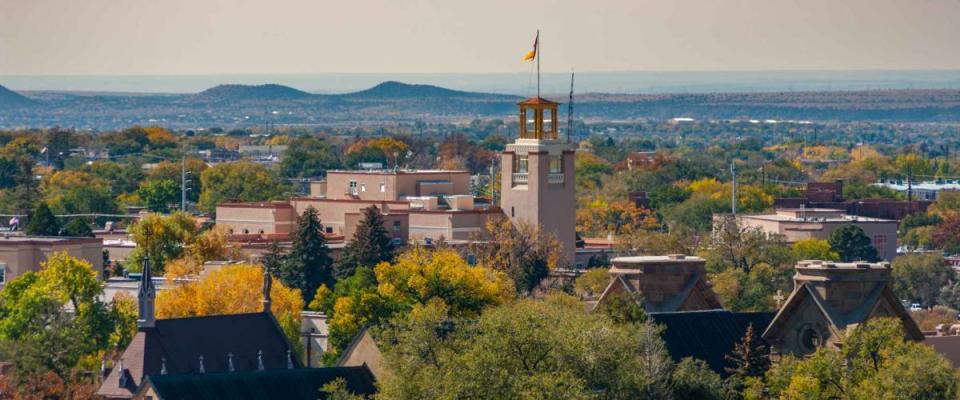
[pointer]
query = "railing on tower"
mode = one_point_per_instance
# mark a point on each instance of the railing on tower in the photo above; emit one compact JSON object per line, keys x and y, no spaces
{"x":520,"y":177}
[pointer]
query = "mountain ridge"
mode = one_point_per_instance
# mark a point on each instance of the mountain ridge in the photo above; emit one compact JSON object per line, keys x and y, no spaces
{"x":9,"y":98}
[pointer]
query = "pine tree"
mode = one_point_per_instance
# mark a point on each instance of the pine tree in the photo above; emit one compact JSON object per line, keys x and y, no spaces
{"x":78,"y":227}
{"x":42,"y":222}
{"x":309,"y":264}
{"x":370,"y":245}
{"x":750,"y":358}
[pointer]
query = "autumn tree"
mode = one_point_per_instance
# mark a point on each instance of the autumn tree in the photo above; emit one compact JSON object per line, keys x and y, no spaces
{"x":237,"y":181}
{"x":41,"y":222}
{"x":814,"y":249}
{"x":416,"y":277}
{"x":946,"y":235}
{"x":58,"y":321}
{"x":852,"y":243}
{"x":525,"y":253}
{"x":750,"y":358}
{"x":743,"y":248}
{"x":234,"y":289}
{"x":875,"y":362}
{"x":369,"y":246}
{"x":592,"y":283}
{"x":308,"y":265}
{"x":599,"y":218}
{"x":160,"y":239}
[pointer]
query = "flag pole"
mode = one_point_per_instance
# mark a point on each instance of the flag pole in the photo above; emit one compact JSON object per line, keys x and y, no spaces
{"x":537,"y":54}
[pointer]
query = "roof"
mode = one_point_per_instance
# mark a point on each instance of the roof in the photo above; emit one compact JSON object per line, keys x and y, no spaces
{"x":294,"y":384}
{"x":657,"y":259}
{"x":707,"y":335}
{"x":11,"y":239}
{"x":536,"y":101}
{"x":947,"y":346}
{"x":260,"y":204}
{"x":178,"y":344}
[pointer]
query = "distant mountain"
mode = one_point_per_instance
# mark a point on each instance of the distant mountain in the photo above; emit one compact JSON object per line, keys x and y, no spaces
{"x":9,"y":98}
{"x":398,"y":90}
{"x":251,"y":92}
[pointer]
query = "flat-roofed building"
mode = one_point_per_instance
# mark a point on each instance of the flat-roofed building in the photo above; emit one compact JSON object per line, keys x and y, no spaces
{"x":817,"y":223}
{"x":257,"y":218}
{"x":19,"y":254}
{"x":387,"y":185}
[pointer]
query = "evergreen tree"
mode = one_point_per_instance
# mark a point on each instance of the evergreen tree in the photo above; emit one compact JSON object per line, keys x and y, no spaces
{"x":853,"y":244}
{"x":274,"y":259}
{"x":370,"y":245}
{"x":78,"y":227}
{"x":750,"y":358}
{"x":42,"y":222}
{"x":309,"y":264}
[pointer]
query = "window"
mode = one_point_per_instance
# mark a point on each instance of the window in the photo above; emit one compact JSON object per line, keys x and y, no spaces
{"x":520,"y":164}
{"x":329,"y":229}
{"x":556,"y":164}
{"x":353,"y":184}
{"x":3,"y":273}
{"x":531,"y":121}
{"x":512,"y":214}
{"x":383,"y":187}
{"x":396,"y":226}
{"x":809,"y":338}
{"x":549,"y":118}
{"x":363,"y":187}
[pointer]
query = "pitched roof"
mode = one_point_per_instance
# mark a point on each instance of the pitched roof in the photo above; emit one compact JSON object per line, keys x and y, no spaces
{"x":536,"y":101}
{"x":178,"y":344}
{"x":707,"y":335}
{"x":276,"y":384}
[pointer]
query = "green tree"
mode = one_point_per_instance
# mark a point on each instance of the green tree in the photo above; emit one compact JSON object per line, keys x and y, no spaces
{"x":42,"y":222}
{"x":852,"y":243}
{"x":528,"y":349}
{"x":78,"y":227}
{"x":370,"y":244}
{"x":308,"y":156}
{"x":920,"y":277}
{"x":693,"y":379}
{"x":58,"y":320}
{"x":308,"y":265}
{"x":750,"y":359}
{"x":157,"y":195}
{"x":237,"y":181}
{"x":161,"y":239}
{"x":814,"y":249}
{"x":875,"y":362}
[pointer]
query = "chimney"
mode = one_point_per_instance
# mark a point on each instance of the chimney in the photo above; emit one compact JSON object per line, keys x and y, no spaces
{"x":267,"y":283}
{"x":146,"y":296}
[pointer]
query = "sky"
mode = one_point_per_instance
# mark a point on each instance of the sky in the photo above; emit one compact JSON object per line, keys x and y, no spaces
{"x":174,"y":37}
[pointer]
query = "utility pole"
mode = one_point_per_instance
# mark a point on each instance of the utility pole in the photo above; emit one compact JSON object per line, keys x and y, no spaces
{"x":733,"y":172}
{"x":183,"y":182}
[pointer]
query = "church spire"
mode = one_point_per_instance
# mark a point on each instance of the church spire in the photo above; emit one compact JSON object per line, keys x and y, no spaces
{"x":146,"y":297}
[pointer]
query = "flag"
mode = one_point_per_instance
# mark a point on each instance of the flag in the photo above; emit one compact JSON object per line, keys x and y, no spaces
{"x":43,"y":150}
{"x":533,"y":53}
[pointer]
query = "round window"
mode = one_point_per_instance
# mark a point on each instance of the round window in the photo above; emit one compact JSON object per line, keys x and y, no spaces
{"x":809,"y":338}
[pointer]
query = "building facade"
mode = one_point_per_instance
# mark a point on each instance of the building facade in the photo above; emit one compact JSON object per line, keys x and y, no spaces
{"x":19,"y":254}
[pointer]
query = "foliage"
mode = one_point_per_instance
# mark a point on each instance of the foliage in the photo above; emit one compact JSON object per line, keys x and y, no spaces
{"x":814,"y":249}
{"x":677,"y":241}
{"x":417,"y":277}
{"x":42,"y":222}
{"x":157,"y":195}
{"x":750,"y":358}
{"x":308,"y":265}
{"x":237,"y":181}
{"x":946,"y":235}
{"x":337,"y":390}
{"x":743,"y":248}
{"x":751,"y":291}
{"x":369,"y":246}
{"x":525,"y":253}
{"x":919,"y":277}
{"x":160,"y":239}
{"x":876,"y":362}
{"x":928,"y":320}
{"x":693,"y":379}
{"x":624,"y":308}
{"x":234,"y":289}
{"x":599,"y":217}
{"x":308,"y":156}
{"x":528,"y":349}
{"x":591,"y":283}
{"x":852,"y":243}
{"x":48,"y":335}
{"x":78,"y":227}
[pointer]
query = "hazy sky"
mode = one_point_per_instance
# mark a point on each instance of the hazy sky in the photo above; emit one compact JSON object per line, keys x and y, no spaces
{"x":39,"y":37}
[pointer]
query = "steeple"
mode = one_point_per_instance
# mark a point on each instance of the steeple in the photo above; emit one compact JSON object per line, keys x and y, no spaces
{"x":146,"y":296}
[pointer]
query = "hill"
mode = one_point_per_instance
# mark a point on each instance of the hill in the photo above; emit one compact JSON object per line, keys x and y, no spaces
{"x":251,"y":92}
{"x":9,"y":98}
{"x":399,"y":90}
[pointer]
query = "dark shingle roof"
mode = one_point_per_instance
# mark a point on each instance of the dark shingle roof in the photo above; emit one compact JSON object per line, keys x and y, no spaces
{"x":707,"y":335}
{"x":179,"y":342}
{"x":276,"y":384}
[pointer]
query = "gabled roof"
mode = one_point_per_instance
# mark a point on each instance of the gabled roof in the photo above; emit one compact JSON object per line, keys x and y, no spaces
{"x":533,"y":101}
{"x":707,"y":335}
{"x":178,"y":343}
{"x":285,"y":384}
{"x":839,"y":322}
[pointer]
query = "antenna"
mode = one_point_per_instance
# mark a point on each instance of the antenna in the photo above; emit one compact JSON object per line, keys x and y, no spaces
{"x":570,"y":111}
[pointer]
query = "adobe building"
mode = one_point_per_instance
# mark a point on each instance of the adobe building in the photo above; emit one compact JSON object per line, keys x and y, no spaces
{"x":830,"y":195}
{"x":274,"y":217}
{"x":19,"y":254}
{"x":805,"y":223}
{"x":665,"y":283}
{"x":829,"y":300}
{"x":538,"y":176}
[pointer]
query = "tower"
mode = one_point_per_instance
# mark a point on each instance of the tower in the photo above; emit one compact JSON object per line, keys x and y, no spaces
{"x":537,"y":179}
{"x":146,"y":297}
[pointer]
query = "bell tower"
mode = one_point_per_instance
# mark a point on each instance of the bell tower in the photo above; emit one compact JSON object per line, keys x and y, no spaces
{"x":537,"y":176}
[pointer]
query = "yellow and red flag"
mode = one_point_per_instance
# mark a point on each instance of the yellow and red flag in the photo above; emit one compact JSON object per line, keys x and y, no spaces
{"x":533,"y":53}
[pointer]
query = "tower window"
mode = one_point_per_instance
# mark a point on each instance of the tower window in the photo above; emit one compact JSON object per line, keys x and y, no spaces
{"x":549,"y":122}
{"x":556,"y":164}
{"x":396,"y":226}
{"x":520,"y":164}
